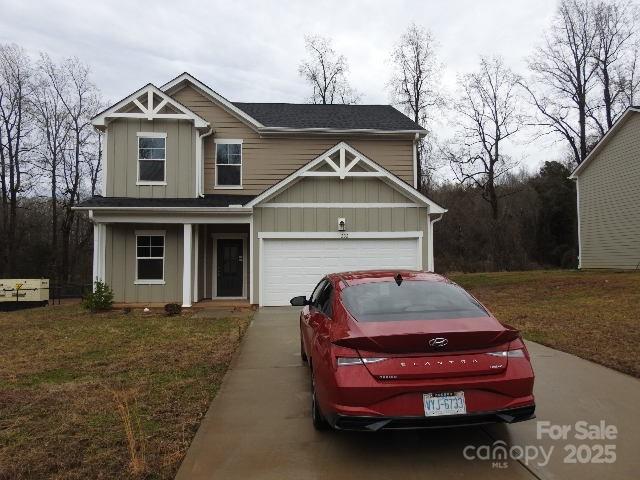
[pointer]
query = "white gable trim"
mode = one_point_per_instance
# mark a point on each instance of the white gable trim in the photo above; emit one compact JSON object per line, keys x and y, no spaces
{"x":603,"y":141}
{"x":343,"y":170}
{"x":212,"y":95}
{"x":149,"y":111}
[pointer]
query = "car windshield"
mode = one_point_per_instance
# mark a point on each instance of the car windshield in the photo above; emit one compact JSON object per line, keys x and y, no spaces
{"x":411,"y":300}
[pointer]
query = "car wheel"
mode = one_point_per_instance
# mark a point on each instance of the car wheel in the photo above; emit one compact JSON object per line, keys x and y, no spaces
{"x":303,"y":355}
{"x":319,"y":422}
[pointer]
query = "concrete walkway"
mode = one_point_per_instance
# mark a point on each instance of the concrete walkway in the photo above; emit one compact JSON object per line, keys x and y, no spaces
{"x":258,"y":427}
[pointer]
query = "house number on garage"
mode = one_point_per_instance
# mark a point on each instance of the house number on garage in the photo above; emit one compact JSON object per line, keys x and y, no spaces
{"x":344,"y":235}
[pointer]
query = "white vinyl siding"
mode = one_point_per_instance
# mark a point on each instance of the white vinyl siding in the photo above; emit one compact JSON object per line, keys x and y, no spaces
{"x":609,"y":202}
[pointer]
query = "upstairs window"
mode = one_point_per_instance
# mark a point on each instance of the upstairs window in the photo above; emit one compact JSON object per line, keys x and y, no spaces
{"x":149,"y":257}
{"x":229,"y":163}
{"x":152,"y":158}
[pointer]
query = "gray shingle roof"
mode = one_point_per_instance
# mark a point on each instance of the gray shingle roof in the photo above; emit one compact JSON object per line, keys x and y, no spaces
{"x":215,"y":200}
{"x":339,"y":117}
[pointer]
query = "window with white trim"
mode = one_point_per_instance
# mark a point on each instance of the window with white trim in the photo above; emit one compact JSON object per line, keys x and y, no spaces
{"x":150,"y":257}
{"x":152,"y":158}
{"x":228,"y":163}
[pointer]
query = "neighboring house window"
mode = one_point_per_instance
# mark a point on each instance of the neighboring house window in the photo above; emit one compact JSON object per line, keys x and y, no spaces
{"x":150,"y":257}
{"x":228,"y":163}
{"x":152,"y":158}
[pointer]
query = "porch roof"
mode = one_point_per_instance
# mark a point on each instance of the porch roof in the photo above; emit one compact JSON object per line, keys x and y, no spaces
{"x":208,"y":201}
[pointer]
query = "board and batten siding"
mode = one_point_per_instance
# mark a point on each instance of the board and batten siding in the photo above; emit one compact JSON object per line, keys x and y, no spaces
{"x":120,"y":263}
{"x":267,"y":160}
{"x":122,"y":159}
{"x":609,"y":202}
{"x":321,"y":219}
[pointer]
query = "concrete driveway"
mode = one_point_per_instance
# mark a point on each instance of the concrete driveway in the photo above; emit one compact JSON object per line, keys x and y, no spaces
{"x":258,"y":427}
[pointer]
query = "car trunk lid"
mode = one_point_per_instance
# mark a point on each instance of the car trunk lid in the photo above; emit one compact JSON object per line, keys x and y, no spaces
{"x":430,"y":348}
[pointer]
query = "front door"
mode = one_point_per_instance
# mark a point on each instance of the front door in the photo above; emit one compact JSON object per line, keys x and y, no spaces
{"x":229,"y":268}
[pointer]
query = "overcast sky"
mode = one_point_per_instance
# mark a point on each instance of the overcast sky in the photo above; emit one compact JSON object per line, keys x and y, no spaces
{"x":250,"y":50}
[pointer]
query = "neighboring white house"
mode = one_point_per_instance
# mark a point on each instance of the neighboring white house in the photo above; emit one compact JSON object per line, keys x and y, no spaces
{"x":608,"y":196}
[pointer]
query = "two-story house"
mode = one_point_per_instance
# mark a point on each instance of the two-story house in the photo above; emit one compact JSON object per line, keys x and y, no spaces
{"x":203,"y":198}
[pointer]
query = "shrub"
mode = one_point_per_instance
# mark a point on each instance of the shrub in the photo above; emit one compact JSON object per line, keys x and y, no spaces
{"x":100,"y":299}
{"x":173,"y":309}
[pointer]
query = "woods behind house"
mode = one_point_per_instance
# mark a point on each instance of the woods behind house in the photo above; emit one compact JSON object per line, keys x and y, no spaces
{"x":580,"y":78}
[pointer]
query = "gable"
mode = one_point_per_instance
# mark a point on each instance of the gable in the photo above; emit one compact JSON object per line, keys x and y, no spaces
{"x":619,"y":128}
{"x":222,"y":121}
{"x":148,"y":103}
{"x":616,"y":165}
{"x":339,"y":165}
{"x":186,"y":80}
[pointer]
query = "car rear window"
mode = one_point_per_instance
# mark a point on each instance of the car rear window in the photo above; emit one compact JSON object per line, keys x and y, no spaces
{"x":411,"y":300}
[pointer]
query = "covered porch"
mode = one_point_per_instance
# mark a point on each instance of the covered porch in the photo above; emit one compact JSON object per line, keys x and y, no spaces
{"x":151,"y":258}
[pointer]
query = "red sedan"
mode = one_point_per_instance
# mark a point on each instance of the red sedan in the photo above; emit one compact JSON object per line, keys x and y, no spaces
{"x":406,"y":349}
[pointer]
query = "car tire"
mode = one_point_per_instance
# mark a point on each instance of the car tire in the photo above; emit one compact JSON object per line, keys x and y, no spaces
{"x":303,"y":355}
{"x":319,"y":422}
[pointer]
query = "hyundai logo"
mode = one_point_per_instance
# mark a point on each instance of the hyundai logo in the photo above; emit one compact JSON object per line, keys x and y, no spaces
{"x":438,"y":342}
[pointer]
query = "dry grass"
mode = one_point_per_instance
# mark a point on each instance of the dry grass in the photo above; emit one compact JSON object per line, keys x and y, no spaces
{"x":107,"y":395}
{"x":591,"y":314}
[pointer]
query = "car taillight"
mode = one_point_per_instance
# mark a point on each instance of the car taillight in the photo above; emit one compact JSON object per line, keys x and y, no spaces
{"x":344,"y":361}
{"x":348,"y":356}
{"x":518,"y":353}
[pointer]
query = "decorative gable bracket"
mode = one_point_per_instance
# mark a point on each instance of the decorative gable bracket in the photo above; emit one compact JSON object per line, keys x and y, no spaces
{"x":342,"y":162}
{"x":149,"y":103}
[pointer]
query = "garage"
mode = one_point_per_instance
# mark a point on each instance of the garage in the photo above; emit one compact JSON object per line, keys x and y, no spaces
{"x":293,"y":266}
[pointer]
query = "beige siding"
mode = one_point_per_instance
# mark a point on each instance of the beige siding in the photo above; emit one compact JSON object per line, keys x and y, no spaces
{"x":270,"y":159}
{"x":350,"y":190}
{"x":122,"y":158}
{"x":609,"y":205}
{"x":121,"y":265}
{"x":305,"y":219}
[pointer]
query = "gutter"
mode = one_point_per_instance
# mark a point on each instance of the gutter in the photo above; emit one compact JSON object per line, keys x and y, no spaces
{"x":230,"y":209}
{"x":369,"y":131}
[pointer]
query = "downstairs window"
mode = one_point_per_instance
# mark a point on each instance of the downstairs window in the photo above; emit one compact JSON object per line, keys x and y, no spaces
{"x":150,"y":257}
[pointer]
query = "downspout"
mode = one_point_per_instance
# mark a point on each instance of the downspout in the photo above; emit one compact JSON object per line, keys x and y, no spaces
{"x":430,"y":263}
{"x":200,"y":162}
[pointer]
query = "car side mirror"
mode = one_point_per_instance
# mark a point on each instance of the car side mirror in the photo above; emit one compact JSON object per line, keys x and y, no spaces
{"x":299,"y":301}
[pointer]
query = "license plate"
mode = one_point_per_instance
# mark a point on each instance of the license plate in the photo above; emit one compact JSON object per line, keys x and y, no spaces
{"x":449,"y":403}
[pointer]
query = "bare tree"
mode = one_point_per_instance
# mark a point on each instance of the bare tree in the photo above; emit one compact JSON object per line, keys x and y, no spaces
{"x":614,"y":56}
{"x":326,"y":72}
{"x":415,"y":88}
{"x":51,"y":120}
{"x":488,"y":111}
{"x":16,"y":86}
{"x":78,"y":95}
{"x":564,"y":75}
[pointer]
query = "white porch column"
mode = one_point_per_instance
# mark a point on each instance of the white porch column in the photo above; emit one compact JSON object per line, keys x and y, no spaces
{"x":102,"y":252}
{"x":96,"y":255}
{"x":430,"y":263}
{"x":430,"y":245}
{"x":196,"y":241}
{"x":187,"y":242}
{"x":99,"y":252}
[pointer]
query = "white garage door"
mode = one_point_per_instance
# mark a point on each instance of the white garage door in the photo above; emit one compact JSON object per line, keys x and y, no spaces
{"x":293,"y":267}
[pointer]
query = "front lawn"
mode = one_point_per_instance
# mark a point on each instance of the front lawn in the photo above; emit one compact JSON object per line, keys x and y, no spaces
{"x":111,"y":395}
{"x":591,"y":314}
